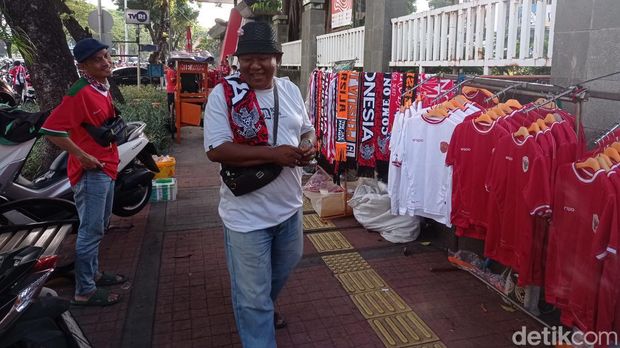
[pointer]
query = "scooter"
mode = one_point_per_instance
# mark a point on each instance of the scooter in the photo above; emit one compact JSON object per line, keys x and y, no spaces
{"x":31,"y":315}
{"x":133,"y":184}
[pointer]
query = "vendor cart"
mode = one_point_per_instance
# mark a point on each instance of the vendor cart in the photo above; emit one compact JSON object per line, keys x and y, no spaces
{"x":190,"y":97}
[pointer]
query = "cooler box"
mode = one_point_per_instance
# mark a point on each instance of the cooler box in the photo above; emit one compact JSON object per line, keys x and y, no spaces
{"x":164,"y":190}
{"x":167,"y":167}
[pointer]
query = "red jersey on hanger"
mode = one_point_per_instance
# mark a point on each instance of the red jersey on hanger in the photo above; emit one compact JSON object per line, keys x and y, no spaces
{"x":518,"y":183}
{"x":584,"y":218}
{"x":469,"y":153}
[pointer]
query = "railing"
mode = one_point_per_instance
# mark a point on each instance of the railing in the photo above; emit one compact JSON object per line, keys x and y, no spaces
{"x":341,"y":46}
{"x":479,"y":33}
{"x":292,"y":53}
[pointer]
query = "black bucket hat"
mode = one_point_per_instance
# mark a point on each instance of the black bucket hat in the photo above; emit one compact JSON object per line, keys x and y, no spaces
{"x":257,"y":37}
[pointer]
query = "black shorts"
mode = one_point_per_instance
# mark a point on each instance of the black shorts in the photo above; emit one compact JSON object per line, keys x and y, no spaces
{"x":170,"y":100}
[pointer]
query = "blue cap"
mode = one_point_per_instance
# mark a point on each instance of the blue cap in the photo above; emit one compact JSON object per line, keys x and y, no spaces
{"x":85,"y":48}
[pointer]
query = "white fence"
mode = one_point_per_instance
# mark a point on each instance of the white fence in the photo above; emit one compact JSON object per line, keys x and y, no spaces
{"x":292,"y":53}
{"x":479,"y":33}
{"x":341,"y":46}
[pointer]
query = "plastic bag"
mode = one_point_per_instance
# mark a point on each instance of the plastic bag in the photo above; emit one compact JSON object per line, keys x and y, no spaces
{"x":371,"y":208}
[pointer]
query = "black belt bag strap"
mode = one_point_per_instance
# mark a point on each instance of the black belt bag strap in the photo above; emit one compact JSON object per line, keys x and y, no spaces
{"x":242,"y":180}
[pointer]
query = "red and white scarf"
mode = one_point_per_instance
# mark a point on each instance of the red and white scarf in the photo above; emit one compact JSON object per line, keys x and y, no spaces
{"x":367,"y":137}
{"x":244,"y":114}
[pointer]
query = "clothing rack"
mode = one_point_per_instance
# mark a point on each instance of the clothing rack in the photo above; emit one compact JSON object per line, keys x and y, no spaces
{"x":611,"y":130}
{"x":453,"y":88}
{"x":402,"y":97}
{"x":570,"y":90}
{"x":503,"y":91}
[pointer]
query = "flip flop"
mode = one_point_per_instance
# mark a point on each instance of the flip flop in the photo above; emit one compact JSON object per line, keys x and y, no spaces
{"x":108,"y":279}
{"x":100,"y":297}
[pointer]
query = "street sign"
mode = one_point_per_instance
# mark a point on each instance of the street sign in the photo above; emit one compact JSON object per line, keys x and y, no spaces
{"x":107,"y":21}
{"x":149,"y":48}
{"x":155,"y":70}
{"x":137,"y":17}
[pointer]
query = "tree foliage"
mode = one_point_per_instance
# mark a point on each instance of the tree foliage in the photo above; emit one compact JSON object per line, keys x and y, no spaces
{"x":433,"y":4}
{"x":164,"y":13}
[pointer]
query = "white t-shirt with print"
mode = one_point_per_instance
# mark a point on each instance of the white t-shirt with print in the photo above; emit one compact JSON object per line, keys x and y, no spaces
{"x":280,"y":199}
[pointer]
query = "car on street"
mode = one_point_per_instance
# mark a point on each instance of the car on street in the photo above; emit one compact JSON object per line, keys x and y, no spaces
{"x":128,"y":76}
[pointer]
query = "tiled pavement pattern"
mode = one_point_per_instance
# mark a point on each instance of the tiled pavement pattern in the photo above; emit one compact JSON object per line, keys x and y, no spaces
{"x":180,"y":292}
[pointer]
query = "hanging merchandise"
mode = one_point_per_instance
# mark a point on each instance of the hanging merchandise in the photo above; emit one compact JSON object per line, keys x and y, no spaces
{"x":367,"y":136}
{"x":409,"y":83}
{"x":352,"y":117}
{"x":341,"y":119}
{"x":433,"y":88}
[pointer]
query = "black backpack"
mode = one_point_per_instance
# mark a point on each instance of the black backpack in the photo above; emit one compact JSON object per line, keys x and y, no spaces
{"x":18,"y":126}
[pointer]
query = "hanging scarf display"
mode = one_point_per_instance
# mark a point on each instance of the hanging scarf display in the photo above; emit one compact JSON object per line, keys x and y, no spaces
{"x":409,"y":83}
{"x":323,"y":112}
{"x":352,"y":116}
{"x":367,"y":139}
{"x":433,"y":88}
{"x":245,"y":116}
{"x":341,"y":118}
{"x":382,"y":122}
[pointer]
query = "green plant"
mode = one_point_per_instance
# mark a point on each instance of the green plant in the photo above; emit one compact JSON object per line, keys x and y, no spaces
{"x":264,"y":6}
{"x":148,"y":104}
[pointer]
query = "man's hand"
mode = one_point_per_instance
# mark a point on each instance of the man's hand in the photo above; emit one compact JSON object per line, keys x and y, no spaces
{"x":287,"y":156}
{"x":308,"y":152}
{"x":89,"y":162}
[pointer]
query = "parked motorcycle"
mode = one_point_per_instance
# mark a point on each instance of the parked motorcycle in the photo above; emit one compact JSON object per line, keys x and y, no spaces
{"x":135,"y":171}
{"x":31,"y":315}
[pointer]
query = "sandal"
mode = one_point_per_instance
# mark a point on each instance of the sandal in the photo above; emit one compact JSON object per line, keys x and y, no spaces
{"x":278,"y":321}
{"x":100,"y":297}
{"x":108,"y":279}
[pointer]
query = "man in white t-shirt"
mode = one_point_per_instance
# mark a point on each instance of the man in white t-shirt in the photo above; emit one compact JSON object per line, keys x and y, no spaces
{"x":263,"y":228}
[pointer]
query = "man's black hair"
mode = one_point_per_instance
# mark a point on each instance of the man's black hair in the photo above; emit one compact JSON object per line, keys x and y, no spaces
{"x":17,"y":63}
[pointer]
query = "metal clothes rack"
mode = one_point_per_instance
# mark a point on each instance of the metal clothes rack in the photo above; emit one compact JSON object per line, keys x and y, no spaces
{"x":611,"y":130}
{"x":402,"y":96}
{"x":458,"y":85}
{"x":496,"y":95}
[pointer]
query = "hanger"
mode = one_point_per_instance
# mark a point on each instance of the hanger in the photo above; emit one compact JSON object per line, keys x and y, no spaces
{"x":505,"y":108}
{"x":549,"y":119}
{"x":513,"y":103}
{"x":438,"y":111}
{"x":604,"y":161}
{"x":541,"y":123}
{"x":545,"y":103}
{"x":589,"y":163}
{"x":616,"y":145}
{"x":484,"y":118}
{"x":524,"y":132}
{"x":612,"y":153}
{"x":469,"y":90}
{"x":534,"y":128}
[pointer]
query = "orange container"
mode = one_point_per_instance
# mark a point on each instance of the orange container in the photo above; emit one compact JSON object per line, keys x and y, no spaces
{"x":167,"y":167}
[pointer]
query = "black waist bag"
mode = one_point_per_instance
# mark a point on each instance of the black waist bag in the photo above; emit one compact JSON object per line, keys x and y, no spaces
{"x":111,"y":131}
{"x":242,"y":180}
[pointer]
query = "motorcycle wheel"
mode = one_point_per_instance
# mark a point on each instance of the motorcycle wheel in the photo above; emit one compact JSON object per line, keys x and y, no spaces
{"x":142,"y":195}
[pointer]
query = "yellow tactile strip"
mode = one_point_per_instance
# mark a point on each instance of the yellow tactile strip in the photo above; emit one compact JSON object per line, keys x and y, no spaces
{"x":404,"y":330}
{"x":312,"y":223}
{"x":378,"y":303}
{"x":349,"y":262}
{"x":329,"y":241}
{"x":361,"y":281}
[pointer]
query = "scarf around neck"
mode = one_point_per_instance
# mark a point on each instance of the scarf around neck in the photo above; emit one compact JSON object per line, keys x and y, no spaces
{"x":102,"y":87}
{"x":246,"y":119}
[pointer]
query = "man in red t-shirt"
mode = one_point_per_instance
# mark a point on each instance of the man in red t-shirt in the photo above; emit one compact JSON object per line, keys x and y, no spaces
{"x":18,"y":78}
{"x":92,"y":168}
{"x":171,"y":84}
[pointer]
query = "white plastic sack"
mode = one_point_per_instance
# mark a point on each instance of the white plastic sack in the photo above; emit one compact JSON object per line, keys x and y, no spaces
{"x":371,"y":208}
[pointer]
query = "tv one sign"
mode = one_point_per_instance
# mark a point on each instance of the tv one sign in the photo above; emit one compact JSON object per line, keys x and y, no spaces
{"x":137,"y":17}
{"x":342,"y":13}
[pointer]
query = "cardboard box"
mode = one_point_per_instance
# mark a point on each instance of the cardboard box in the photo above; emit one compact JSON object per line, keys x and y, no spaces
{"x":330,"y":204}
{"x":164,"y":190}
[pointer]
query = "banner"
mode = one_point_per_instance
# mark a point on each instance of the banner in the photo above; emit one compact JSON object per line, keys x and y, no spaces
{"x":342,"y":13}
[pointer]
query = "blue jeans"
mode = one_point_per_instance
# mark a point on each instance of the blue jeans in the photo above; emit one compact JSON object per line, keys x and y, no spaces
{"x":93,"y":195}
{"x":259,"y":262}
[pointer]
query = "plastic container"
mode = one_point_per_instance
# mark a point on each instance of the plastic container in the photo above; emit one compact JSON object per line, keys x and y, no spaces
{"x":164,"y":190}
{"x":167,"y":167}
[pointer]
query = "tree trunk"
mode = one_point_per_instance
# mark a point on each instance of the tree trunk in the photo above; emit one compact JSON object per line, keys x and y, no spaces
{"x":78,"y":33}
{"x":9,"y":45}
{"x":51,"y":67}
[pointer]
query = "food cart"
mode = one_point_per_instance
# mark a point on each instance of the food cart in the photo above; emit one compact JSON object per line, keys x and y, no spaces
{"x":191,"y":94}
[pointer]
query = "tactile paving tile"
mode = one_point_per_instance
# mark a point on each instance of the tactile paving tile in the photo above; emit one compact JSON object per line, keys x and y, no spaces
{"x":349,"y":262}
{"x":405,"y":330}
{"x":329,"y":241}
{"x":312,"y":222}
{"x":308,"y":206}
{"x":362,"y":281}
{"x":379,"y":303}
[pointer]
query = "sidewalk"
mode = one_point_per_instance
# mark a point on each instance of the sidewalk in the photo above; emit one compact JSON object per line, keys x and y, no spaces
{"x":359,"y":291}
